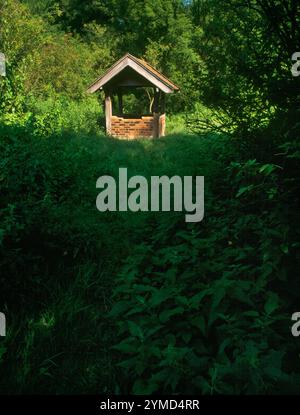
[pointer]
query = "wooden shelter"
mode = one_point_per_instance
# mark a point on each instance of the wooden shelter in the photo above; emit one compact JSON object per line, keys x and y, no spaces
{"x":127,"y":73}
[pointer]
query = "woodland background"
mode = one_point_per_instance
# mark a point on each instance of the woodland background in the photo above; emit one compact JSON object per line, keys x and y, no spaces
{"x":145,"y":303}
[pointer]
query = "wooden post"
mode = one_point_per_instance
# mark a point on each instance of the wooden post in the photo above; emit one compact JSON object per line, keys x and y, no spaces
{"x":156,"y":101}
{"x":155,"y":125}
{"x":162,"y":125}
{"x":120,"y":102}
{"x":162,"y":117}
{"x":108,"y":112}
{"x":163,"y":103}
{"x":156,"y":114}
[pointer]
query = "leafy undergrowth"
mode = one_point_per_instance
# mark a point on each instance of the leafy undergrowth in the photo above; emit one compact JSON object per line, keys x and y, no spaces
{"x":141,"y":303}
{"x":206,"y":310}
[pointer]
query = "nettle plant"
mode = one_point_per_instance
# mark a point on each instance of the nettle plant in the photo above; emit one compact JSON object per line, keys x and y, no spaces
{"x":196,"y":307}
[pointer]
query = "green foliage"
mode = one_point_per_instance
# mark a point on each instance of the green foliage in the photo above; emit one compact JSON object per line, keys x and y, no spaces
{"x":246,"y":48}
{"x":144,"y":303}
{"x":203,"y":310}
{"x":45,"y":64}
{"x":59,"y":114}
{"x":162,"y":32}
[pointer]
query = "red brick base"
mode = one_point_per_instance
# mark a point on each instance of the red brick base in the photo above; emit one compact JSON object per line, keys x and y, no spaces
{"x":132,"y":127}
{"x":135,"y":127}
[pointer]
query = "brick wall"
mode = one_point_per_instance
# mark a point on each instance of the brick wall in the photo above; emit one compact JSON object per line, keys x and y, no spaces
{"x":132,"y":127}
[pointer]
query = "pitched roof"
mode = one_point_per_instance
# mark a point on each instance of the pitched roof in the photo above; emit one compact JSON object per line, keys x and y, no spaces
{"x":141,"y":67}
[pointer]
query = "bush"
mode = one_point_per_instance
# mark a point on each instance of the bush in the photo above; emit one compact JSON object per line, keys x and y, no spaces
{"x":59,"y":114}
